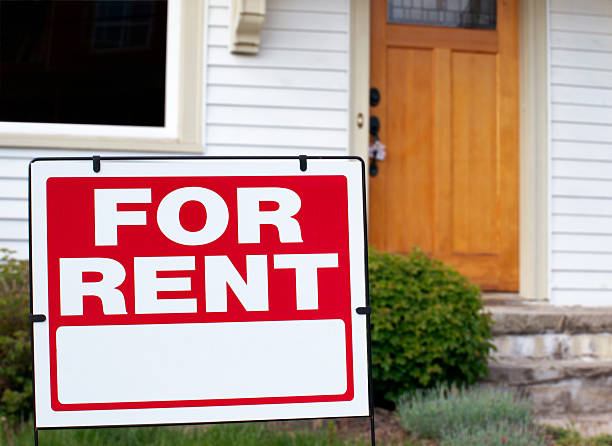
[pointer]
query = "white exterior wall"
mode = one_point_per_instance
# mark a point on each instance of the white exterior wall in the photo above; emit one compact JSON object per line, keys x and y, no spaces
{"x":580,"y":58}
{"x":292,"y":98}
{"x":14,"y":200}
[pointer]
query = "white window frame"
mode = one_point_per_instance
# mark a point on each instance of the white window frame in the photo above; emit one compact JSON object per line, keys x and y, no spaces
{"x":182,"y":130}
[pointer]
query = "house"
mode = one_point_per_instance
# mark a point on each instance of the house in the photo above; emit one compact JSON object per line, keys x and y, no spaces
{"x":495,"y":115}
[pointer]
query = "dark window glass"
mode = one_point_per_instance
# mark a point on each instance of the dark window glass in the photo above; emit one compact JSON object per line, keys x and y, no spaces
{"x":83,"y":62}
{"x":478,"y":14}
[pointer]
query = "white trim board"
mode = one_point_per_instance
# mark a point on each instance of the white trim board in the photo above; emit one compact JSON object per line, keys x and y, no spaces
{"x":534,"y":157}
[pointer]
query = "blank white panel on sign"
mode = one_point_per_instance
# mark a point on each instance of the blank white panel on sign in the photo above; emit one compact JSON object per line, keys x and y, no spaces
{"x":164,"y":362}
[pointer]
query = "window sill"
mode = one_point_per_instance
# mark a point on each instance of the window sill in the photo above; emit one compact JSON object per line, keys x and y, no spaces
{"x":99,"y":143}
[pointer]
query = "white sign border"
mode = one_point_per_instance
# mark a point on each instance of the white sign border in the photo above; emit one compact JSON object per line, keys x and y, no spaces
{"x":43,"y":169}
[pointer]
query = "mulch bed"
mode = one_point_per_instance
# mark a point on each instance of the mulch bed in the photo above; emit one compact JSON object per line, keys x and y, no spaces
{"x":388,"y":429}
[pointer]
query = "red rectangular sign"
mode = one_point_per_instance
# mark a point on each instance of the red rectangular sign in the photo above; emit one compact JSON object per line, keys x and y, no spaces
{"x":323,"y":222}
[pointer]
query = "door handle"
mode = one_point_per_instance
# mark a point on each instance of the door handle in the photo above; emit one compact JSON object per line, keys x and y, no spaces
{"x":374,"y":126}
{"x":377,"y":148}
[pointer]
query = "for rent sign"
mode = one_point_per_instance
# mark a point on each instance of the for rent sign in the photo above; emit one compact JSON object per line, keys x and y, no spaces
{"x":198,"y":290}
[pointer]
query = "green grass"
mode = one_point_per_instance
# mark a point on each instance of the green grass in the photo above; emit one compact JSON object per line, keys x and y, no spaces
{"x":243,"y":434}
{"x":569,"y":437}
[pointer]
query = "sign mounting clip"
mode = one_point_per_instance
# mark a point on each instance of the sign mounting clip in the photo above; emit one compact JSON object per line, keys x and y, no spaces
{"x":96,"y":163}
{"x":364,"y":310}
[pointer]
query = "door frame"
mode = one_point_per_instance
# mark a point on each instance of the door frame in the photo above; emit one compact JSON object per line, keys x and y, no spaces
{"x":359,"y":91}
{"x":534,"y":157}
{"x":534,"y":143}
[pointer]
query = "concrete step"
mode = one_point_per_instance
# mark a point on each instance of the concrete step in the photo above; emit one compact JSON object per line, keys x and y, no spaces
{"x":522,"y":318}
{"x":559,"y":387}
{"x":560,"y":356}
{"x":586,"y":346}
{"x":523,"y":330}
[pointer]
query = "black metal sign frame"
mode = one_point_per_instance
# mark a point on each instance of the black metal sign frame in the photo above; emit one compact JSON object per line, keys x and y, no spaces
{"x":97,"y":162}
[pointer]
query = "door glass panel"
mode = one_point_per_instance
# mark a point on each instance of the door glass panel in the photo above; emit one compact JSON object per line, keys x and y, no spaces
{"x":475,"y":14}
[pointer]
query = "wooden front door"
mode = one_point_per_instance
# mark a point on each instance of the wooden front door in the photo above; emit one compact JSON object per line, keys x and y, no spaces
{"x":449,"y":118}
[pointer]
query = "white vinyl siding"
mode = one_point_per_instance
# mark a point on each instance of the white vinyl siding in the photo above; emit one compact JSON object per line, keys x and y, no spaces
{"x":14,"y":201}
{"x":293,"y":96}
{"x":14,"y":193}
{"x":580,"y":56}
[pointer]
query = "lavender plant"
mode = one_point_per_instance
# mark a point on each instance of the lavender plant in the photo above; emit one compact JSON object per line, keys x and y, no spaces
{"x":501,"y":433}
{"x":444,"y":412}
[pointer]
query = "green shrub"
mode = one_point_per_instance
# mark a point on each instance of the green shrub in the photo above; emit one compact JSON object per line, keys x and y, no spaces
{"x":15,"y":360}
{"x":440,"y":412}
{"x":428,"y":327}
